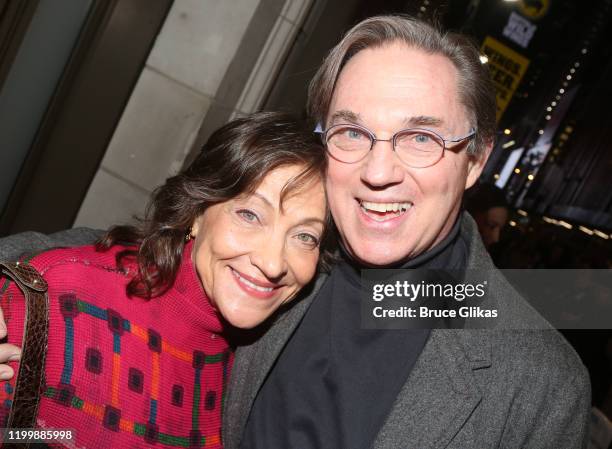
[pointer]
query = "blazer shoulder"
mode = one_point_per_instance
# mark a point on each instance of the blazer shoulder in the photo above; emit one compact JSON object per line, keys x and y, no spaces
{"x":539,"y":353}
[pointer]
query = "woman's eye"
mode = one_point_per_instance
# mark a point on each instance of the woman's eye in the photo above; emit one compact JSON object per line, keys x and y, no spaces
{"x":308,"y":239}
{"x":248,"y":215}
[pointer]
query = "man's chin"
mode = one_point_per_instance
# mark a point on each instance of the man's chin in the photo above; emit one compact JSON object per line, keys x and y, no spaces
{"x":379,"y":256}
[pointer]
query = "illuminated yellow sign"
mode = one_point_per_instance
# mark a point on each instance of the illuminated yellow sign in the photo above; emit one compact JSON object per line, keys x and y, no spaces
{"x":534,"y":9}
{"x":507,"y":68}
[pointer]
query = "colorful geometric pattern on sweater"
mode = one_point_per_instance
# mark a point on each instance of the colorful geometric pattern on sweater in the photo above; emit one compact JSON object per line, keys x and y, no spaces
{"x":114,"y":369}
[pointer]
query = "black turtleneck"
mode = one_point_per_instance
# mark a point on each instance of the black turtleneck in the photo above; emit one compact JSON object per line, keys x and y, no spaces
{"x":335,"y":383}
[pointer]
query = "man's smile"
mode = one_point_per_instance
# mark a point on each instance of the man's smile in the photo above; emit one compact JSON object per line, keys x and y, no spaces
{"x":384,"y":211}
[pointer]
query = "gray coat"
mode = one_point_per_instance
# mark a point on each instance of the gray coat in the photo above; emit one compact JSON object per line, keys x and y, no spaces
{"x":15,"y":246}
{"x":468,"y":389}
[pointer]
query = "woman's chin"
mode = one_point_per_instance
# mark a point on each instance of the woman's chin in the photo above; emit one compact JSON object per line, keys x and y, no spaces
{"x":244,"y":319}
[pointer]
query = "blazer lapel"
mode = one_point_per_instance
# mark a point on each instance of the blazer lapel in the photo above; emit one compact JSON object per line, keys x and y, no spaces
{"x":252,"y":364}
{"x":440,"y":393}
{"x":438,"y":397}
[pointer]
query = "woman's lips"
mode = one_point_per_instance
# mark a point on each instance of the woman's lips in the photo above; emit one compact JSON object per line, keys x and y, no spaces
{"x":255,"y":287}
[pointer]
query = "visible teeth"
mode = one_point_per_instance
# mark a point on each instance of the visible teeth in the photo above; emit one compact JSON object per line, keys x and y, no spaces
{"x":251,"y":284}
{"x":386,"y":207}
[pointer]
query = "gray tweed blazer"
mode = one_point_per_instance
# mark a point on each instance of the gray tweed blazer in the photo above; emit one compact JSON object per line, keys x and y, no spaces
{"x":469,"y":389}
{"x":478,"y":389}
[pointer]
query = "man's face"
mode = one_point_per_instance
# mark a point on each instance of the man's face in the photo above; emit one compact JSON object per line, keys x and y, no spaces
{"x":490,"y":223}
{"x":387,"y":89}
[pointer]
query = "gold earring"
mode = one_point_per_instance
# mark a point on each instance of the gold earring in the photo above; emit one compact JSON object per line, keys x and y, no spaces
{"x":188,"y":236}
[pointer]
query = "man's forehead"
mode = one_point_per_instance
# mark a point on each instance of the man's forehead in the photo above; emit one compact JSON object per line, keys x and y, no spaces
{"x":414,"y":87}
{"x":398,"y":58}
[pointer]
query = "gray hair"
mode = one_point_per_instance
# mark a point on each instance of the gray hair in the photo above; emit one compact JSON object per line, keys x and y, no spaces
{"x":475,"y":89}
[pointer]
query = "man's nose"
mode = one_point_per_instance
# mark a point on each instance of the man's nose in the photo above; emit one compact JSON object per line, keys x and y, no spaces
{"x":495,"y":236}
{"x":382,"y":167}
{"x":270,"y":257}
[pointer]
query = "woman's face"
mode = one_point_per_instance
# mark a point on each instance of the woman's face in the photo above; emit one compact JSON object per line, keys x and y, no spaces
{"x":253,"y":253}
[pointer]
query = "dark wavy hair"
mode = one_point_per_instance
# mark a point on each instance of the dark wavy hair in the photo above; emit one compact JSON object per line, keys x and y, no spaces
{"x":233,"y":162}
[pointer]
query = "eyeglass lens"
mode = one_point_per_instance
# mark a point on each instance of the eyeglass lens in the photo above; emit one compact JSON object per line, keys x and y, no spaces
{"x":415,"y":147}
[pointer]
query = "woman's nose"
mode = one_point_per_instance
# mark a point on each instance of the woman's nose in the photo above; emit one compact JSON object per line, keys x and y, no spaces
{"x":270,"y":258}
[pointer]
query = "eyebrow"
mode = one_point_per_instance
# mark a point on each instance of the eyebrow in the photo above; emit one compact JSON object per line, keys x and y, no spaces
{"x":263,"y":198}
{"x":424,"y":120}
{"x":303,"y":222}
{"x":346,"y":115}
{"x":420,"y":120}
{"x":269,"y":203}
{"x":311,"y":220}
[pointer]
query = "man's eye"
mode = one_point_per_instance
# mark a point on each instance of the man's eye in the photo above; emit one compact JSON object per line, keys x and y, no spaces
{"x":354,"y":134}
{"x":249,"y":216}
{"x":422,"y":138}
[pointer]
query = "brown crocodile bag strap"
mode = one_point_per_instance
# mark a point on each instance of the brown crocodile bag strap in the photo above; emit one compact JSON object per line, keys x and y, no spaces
{"x":30,"y":380}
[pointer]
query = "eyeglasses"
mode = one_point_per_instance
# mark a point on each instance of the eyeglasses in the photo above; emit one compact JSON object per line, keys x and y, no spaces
{"x":417,"y":148}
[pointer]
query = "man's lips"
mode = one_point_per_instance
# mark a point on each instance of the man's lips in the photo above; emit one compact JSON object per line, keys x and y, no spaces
{"x":384,"y":211}
{"x":255,"y":287}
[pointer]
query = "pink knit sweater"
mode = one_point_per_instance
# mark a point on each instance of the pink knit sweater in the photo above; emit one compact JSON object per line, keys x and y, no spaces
{"x":124,"y":372}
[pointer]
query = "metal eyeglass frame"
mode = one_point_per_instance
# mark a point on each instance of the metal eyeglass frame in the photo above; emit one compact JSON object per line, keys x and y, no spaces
{"x":373,"y":139}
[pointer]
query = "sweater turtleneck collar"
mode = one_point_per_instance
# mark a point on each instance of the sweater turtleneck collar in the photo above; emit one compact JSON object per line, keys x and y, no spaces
{"x":188,"y":284}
